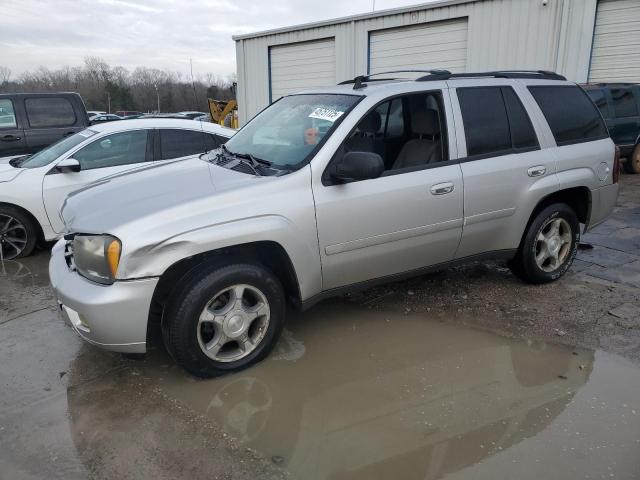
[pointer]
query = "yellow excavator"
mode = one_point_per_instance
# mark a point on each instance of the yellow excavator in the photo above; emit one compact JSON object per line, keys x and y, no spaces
{"x":221,"y":109}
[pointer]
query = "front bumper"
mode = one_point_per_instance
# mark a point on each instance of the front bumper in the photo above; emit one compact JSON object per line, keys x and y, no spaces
{"x":113,"y":317}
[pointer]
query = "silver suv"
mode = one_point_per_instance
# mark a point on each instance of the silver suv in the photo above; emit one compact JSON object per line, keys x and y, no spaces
{"x":331,"y":190}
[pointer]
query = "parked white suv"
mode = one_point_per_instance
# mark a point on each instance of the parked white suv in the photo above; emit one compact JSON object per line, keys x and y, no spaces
{"x":330,"y":190}
{"x":33,"y":187}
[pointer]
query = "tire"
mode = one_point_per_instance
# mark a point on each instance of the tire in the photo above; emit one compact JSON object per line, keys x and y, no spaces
{"x":555,"y":252}
{"x":632,"y":165}
{"x":18,"y":233}
{"x":233,"y":340}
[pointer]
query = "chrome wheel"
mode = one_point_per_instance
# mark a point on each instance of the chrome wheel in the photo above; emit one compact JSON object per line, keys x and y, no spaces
{"x":553,"y":244}
{"x":13,"y":237}
{"x":233,"y":323}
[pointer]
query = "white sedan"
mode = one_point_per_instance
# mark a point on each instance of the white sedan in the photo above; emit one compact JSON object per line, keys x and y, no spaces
{"x":33,"y":188}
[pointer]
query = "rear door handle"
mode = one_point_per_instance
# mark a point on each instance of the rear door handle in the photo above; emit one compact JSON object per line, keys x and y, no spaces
{"x":442,"y":188}
{"x":10,"y":138}
{"x":537,"y":171}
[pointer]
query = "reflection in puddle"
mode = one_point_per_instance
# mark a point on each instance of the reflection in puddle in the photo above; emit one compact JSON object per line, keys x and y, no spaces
{"x":380,"y":396}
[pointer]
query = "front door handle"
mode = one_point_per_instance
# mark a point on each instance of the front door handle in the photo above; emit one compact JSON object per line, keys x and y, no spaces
{"x":10,"y":138}
{"x":442,"y":188}
{"x":537,"y":171}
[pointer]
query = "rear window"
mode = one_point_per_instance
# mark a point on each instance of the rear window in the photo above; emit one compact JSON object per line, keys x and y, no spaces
{"x":180,"y":143}
{"x":624,"y":102}
{"x":572,"y":117}
{"x":495,"y":122}
{"x":50,"y":112}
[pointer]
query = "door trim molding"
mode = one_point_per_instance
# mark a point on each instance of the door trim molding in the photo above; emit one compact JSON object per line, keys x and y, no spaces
{"x":392,"y":237}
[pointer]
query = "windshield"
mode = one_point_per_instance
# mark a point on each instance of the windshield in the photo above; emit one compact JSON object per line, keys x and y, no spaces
{"x":287,"y":132}
{"x":49,"y":154}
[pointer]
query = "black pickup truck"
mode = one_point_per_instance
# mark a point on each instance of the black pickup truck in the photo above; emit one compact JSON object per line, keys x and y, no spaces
{"x":31,"y":121}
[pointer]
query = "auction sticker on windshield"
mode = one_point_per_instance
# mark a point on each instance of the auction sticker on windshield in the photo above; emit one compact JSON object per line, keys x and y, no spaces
{"x":328,"y":114}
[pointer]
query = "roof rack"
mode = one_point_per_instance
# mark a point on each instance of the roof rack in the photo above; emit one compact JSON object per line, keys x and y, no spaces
{"x":359,"y":81}
{"x":539,"y":74}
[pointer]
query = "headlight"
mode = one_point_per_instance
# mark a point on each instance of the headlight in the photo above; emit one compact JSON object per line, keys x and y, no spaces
{"x":96,"y":257}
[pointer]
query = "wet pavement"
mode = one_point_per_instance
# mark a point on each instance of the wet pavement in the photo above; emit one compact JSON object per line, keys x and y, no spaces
{"x":374,"y":386}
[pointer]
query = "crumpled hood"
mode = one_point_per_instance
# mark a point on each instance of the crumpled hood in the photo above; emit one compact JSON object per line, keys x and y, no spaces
{"x":162,"y":191}
{"x":7,"y":172}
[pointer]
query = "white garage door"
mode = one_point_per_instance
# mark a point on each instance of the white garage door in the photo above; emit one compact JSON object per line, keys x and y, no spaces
{"x":616,"y":42}
{"x":429,"y":45}
{"x":298,"y":66}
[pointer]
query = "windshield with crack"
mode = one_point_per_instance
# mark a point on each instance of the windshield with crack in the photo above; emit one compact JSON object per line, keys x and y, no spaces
{"x":289,"y":131}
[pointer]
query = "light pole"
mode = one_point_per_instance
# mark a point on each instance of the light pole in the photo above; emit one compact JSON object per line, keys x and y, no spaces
{"x":155,"y":85}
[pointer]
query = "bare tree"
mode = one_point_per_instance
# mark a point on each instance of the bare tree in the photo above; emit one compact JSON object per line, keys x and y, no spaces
{"x":5,"y":74}
{"x":101,"y":85}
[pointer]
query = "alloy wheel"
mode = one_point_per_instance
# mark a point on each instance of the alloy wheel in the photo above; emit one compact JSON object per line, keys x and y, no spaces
{"x":233,"y":323}
{"x":13,"y":237}
{"x":553,"y":244}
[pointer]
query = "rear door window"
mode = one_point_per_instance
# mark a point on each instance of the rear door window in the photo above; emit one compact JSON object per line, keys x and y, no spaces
{"x":50,"y":112}
{"x":484,"y":115}
{"x":572,"y":117}
{"x":175,"y":143}
{"x":624,"y":102}
{"x":7,"y":114}
{"x":522,"y":133}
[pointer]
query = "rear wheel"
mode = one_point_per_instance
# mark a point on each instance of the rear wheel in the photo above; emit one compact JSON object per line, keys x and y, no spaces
{"x":549,"y":246}
{"x":18,"y":234}
{"x":224,"y":319}
{"x":632,"y":165}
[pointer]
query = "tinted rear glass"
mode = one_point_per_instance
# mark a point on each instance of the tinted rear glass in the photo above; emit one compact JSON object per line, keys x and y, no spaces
{"x":522,"y":133}
{"x":50,"y":112}
{"x":570,"y":113}
{"x":486,"y":125}
{"x":180,"y":143}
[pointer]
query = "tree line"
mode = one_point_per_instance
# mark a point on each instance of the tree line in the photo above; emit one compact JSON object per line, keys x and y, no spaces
{"x":108,"y":88}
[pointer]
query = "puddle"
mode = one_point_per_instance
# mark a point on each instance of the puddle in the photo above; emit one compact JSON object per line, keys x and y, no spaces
{"x":365,"y":395}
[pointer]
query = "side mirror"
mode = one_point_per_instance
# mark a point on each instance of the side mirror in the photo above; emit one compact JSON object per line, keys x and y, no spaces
{"x":358,"y":166}
{"x":68,"y":165}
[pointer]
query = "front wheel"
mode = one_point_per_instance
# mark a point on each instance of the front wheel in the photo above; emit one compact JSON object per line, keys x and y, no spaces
{"x":224,"y":319}
{"x":632,"y":165}
{"x":549,"y":245}
{"x":18,"y":234}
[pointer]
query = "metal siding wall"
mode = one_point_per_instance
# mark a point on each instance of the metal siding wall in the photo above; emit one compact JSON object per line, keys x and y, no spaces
{"x":574,"y":46}
{"x":507,"y":34}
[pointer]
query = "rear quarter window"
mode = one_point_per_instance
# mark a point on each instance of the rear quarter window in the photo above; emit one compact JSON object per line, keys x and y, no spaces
{"x":571,"y":115}
{"x":50,"y":112}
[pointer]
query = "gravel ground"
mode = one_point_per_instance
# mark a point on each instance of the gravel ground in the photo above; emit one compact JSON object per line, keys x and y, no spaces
{"x":596,"y":305}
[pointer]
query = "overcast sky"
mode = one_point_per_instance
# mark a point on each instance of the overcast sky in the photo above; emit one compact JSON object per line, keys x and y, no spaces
{"x":152,"y":33}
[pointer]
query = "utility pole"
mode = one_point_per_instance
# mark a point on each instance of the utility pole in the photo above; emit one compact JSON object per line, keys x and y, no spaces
{"x":374,"y":6}
{"x":108,"y":102}
{"x":155,"y":85}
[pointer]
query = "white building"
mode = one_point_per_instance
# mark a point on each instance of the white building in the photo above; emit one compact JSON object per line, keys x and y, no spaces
{"x":585,"y":40}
